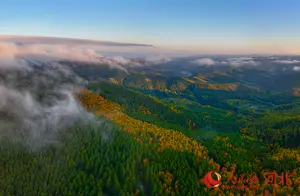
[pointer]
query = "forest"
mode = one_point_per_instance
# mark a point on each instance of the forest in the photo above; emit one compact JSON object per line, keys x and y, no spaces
{"x":149,"y":145}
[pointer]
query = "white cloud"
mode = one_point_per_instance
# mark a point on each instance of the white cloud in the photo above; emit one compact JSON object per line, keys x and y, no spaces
{"x":15,"y":55}
{"x":157,"y":58}
{"x":296,"y":68}
{"x":235,"y":62}
{"x":38,"y":102}
{"x":287,"y":61}
{"x":241,"y":61}
{"x":205,"y":62}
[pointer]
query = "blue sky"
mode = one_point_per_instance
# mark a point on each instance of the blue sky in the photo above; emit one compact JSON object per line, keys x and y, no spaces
{"x":211,"y":24}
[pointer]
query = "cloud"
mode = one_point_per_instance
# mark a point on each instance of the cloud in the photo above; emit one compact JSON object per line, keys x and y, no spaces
{"x":205,"y":62}
{"x":8,"y":57}
{"x":17,"y":55}
{"x":157,"y":58}
{"x":12,"y":54}
{"x":287,"y":61}
{"x":38,"y":94}
{"x":37,"y":103}
{"x":64,"y":41}
{"x":296,"y":68}
{"x":241,"y":61}
{"x":235,"y":62}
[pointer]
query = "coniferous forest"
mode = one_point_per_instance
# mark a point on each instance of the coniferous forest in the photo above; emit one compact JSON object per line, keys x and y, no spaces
{"x":161,"y":135}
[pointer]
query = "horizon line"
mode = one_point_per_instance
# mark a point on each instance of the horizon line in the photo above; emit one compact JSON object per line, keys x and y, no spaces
{"x":35,"y":39}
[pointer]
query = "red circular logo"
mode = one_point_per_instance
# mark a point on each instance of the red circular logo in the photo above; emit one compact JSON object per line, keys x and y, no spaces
{"x":210,"y":182}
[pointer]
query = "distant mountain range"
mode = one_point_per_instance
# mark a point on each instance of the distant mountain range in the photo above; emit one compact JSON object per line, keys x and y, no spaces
{"x":178,"y":75}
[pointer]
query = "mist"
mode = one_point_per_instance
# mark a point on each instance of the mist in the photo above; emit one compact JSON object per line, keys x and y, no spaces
{"x":37,"y":102}
{"x":38,"y":94}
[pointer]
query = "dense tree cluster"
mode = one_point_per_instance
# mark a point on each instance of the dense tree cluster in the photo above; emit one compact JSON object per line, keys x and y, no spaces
{"x":230,"y":151}
{"x":90,"y":161}
{"x":142,"y":131}
{"x":169,"y":116}
{"x":151,"y":146}
{"x":276,"y":127}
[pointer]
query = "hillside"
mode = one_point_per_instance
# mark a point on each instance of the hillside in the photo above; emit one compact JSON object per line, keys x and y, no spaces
{"x":232,"y":145}
{"x":148,"y":132}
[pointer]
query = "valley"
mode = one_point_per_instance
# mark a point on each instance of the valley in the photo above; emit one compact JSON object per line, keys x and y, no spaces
{"x":159,"y":134}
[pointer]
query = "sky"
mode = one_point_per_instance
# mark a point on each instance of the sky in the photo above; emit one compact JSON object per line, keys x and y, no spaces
{"x":204,"y":26}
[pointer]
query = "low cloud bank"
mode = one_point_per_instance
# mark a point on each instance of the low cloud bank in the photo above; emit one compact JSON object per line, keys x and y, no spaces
{"x":157,"y":58}
{"x":235,"y":62}
{"x":287,"y":61}
{"x":12,"y":54}
{"x":205,"y":62}
{"x":243,"y":61}
{"x":16,"y":55}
